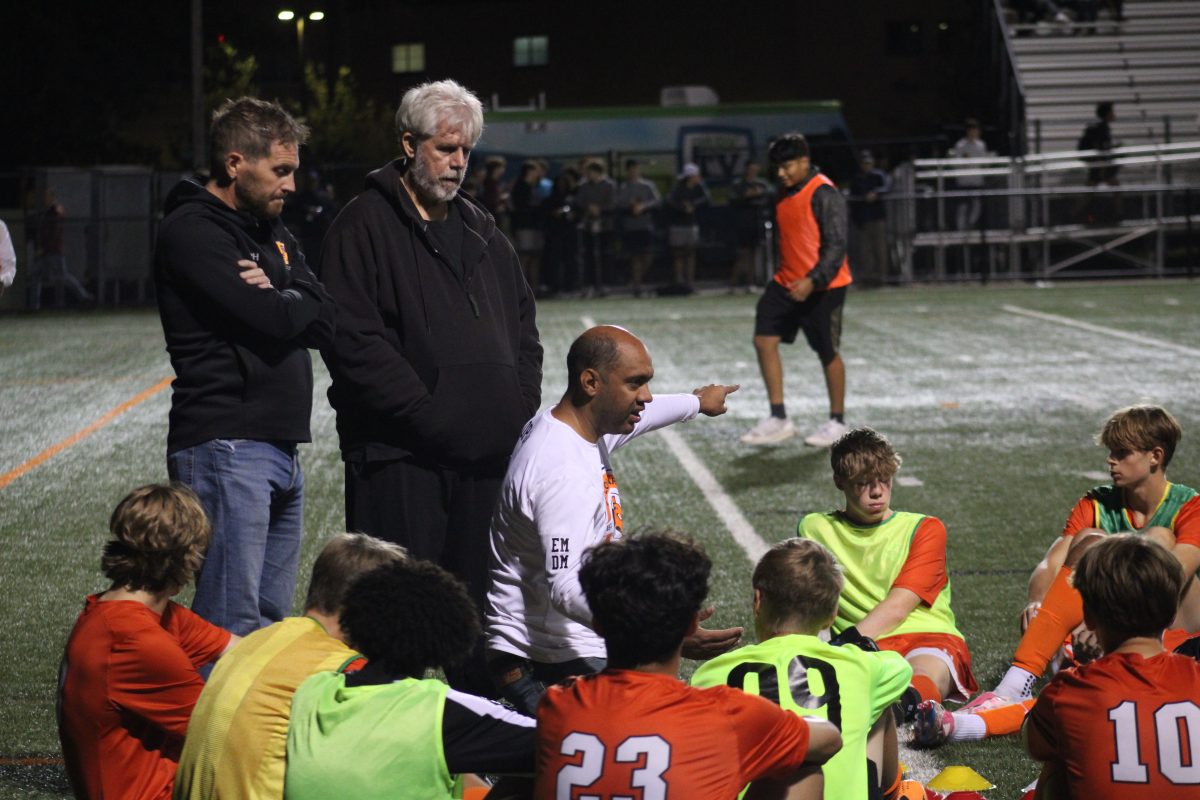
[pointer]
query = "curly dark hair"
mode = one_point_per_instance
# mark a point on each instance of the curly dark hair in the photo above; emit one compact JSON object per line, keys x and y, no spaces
{"x":160,"y":533}
{"x":410,"y":616}
{"x":644,"y":592}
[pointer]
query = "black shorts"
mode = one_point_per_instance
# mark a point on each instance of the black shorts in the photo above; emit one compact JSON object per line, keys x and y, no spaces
{"x":820,"y":316}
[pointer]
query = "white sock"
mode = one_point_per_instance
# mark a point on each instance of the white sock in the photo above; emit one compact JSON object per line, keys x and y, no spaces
{"x":1017,"y":684}
{"x":968,"y":727}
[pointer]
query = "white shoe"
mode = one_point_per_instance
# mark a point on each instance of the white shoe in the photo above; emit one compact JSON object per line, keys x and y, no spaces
{"x":829,"y":432}
{"x":770,"y":431}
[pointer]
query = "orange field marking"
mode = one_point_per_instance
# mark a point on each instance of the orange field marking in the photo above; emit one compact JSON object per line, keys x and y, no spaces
{"x":31,"y":761}
{"x":83,"y":433}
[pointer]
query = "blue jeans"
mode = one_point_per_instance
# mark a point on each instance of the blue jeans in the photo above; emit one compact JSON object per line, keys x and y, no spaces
{"x":253,"y":493}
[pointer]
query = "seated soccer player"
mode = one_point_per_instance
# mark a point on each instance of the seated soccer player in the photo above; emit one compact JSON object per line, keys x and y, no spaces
{"x":637,"y":725}
{"x":796,"y":589}
{"x":1127,"y":724}
{"x":1141,"y":441}
{"x":237,"y":740}
{"x":128,"y":679}
{"x":897,"y":589}
{"x":386,"y":731}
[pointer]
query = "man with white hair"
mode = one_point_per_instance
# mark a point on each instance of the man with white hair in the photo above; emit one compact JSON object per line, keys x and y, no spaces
{"x":436,"y":361}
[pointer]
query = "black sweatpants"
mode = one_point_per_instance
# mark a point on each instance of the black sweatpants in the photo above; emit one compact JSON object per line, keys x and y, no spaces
{"x":440,"y":515}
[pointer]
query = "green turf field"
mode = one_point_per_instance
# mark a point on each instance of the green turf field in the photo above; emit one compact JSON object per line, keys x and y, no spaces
{"x":993,"y":408}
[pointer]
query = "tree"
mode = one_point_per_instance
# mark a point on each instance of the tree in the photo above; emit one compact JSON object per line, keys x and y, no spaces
{"x":347,"y":127}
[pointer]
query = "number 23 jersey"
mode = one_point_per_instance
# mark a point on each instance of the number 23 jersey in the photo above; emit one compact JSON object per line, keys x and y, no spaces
{"x":624,"y":733}
{"x":1125,"y":723}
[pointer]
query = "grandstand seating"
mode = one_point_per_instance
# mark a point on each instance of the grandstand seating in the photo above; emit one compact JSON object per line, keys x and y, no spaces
{"x":1148,"y":65}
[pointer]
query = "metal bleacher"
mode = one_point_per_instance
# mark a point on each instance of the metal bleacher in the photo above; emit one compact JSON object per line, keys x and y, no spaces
{"x":1148,"y":65}
{"x":1040,"y":211}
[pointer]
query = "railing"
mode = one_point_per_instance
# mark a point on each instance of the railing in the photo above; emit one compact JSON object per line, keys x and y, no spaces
{"x":1048,"y":214}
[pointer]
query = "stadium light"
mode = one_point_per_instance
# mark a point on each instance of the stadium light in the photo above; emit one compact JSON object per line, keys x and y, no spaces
{"x":316,"y":16}
{"x":286,"y":15}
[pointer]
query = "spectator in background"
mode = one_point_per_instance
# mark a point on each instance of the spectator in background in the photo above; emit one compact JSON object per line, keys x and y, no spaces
{"x":751,"y":198}
{"x":1034,"y":11}
{"x":473,"y":184}
{"x":308,"y":214}
{"x":494,"y":192}
{"x":527,"y":223}
{"x":560,"y":257}
{"x":685,"y":198}
{"x":50,"y":260}
{"x":1101,"y":170}
{"x":637,"y":199}
{"x":868,"y":218}
{"x":1098,"y":136}
{"x":544,"y":184}
{"x":595,"y":202}
{"x":8,"y":259}
{"x":969,"y":209}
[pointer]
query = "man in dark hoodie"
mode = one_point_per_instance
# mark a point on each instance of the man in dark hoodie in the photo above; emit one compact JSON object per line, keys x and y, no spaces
{"x":436,"y":363}
{"x":239,"y":307}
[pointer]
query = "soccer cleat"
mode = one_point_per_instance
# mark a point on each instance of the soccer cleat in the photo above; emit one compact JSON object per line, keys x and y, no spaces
{"x":932,"y":725}
{"x":830,"y":431}
{"x":771,"y":430}
{"x":987,"y":700}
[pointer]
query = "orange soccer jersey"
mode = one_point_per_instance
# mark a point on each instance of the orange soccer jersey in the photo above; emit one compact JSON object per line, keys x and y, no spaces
{"x":1124,"y":726}
{"x":634,"y":734}
{"x":129,"y":682}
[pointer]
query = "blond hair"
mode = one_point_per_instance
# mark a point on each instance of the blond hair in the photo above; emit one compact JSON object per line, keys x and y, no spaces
{"x":160,"y":533}
{"x":1141,"y":427}
{"x":799,"y":582}
{"x":344,"y":558}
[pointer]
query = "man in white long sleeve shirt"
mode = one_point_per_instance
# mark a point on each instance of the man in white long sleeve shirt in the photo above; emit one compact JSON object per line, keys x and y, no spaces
{"x":559,"y":498}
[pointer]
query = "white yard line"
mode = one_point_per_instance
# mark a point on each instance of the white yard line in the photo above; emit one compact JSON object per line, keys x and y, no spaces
{"x":739,"y":527}
{"x":1101,"y":329}
{"x":588,"y":322}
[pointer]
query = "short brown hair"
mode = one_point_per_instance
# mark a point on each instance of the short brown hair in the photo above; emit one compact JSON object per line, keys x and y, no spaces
{"x":863,"y":455}
{"x":1141,"y":427}
{"x":160,"y":533}
{"x":1130,"y":583}
{"x":250,"y":126}
{"x":800,"y":582}
{"x":341,"y":561}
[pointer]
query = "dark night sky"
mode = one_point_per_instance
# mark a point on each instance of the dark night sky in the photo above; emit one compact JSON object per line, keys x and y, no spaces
{"x":91,"y":82}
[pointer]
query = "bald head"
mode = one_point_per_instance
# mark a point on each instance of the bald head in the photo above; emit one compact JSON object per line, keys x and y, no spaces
{"x":598,"y":348}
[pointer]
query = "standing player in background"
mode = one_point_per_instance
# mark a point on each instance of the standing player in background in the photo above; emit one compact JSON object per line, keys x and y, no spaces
{"x":796,"y":589}
{"x":897,"y":588}
{"x":1128,"y":724}
{"x":637,"y":725}
{"x":1141,"y":441}
{"x":807,"y":292}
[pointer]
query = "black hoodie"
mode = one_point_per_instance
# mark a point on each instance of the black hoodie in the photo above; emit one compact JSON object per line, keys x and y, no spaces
{"x":438,"y":362}
{"x":242,"y":370}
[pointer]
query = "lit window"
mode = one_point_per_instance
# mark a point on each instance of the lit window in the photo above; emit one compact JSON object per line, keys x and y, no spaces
{"x":408,"y":57}
{"x":531,"y":51}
